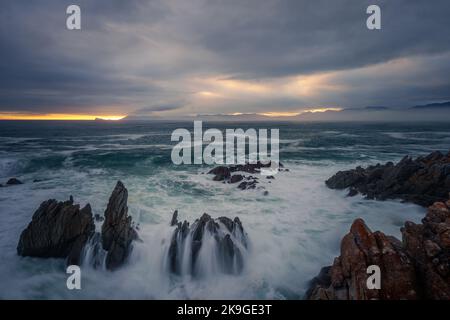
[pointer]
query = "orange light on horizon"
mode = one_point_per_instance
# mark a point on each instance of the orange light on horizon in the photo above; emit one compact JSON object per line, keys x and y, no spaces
{"x":280,"y":114}
{"x":297,"y":113}
{"x":59,"y":116}
{"x":322,"y":110}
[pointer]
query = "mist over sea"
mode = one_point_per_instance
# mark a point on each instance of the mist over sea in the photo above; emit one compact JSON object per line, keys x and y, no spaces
{"x":294,"y":230}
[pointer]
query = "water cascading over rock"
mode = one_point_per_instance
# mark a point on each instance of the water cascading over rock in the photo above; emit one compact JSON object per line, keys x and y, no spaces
{"x":207,"y":247}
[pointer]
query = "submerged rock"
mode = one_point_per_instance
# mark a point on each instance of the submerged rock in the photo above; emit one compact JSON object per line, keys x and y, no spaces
{"x":423,"y":180}
{"x":417,"y":268}
{"x":117,"y":230}
{"x":13,"y":181}
{"x":207,"y":246}
{"x":57,"y":230}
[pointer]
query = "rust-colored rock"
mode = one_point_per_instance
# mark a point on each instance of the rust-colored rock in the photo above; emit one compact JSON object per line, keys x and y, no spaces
{"x":361,"y":248}
{"x":429,"y":246}
{"x":418,"y":268}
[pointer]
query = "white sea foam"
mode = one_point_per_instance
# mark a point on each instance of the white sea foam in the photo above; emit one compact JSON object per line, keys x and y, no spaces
{"x":295,"y":230}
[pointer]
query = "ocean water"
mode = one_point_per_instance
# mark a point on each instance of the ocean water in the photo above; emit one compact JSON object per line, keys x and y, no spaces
{"x":294,"y":230}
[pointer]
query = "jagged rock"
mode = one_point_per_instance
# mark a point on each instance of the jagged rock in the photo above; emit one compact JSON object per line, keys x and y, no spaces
{"x":360,"y":248}
{"x":417,"y":268}
{"x":13,"y":181}
{"x":429,"y":245}
{"x":117,"y":230}
{"x":57,"y":230}
{"x":224,"y":174}
{"x":174,"y":220}
{"x":227,"y":235}
{"x":423,"y":181}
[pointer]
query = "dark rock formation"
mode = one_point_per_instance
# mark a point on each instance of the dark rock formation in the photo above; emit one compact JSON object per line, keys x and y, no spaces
{"x":418,"y":268}
{"x":62,"y":230}
{"x":174,"y":220}
{"x":117,"y":230}
{"x":423,"y":181}
{"x":227,"y":235}
{"x":225,"y":174}
{"x":13,"y":181}
{"x":429,"y":245}
{"x":236,"y":178}
{"x":57,"y":230}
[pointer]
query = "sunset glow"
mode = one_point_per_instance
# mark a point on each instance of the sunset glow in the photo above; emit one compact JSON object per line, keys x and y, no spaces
{"x":280,"y":114}
{"x":58,"y":116}
{"x":322,"y":110}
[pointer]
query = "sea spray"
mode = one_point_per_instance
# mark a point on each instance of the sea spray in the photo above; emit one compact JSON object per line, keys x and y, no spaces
{"x":208,"y":247}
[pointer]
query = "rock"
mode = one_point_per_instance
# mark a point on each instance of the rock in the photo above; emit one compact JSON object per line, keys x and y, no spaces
{"x":226,"y":240}
{"x":360,"y":248}
{"x":428,"y":245}
{"x":174,"y":220}
{"x":417,"y":268}
{"x":236,"y":178}
{"x":352,"y":192}
{"x":13,"y":181}
{"x":221,"y":173}
{"x":423,"y":180}
{"x":57,"y":230}
{"x":117,"y":231}
{"x":98,"y":217}
{"x":224,"y":174}
{"x":247,"y":185}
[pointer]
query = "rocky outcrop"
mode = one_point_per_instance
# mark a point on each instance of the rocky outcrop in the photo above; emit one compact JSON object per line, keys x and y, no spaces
{"x":13,"y":181}
{"x":418,"y":268}
{"x":429,"y":245}
{"x":62,"y":230}
{"x":117,"y":230}
{"x":423,"y":180}
{"x":57,"y":230}
{"x":225,"y":243}
{"x":227,"y":174}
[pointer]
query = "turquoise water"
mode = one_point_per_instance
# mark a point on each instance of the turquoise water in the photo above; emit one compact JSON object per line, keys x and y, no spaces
{"x":294,"y":230}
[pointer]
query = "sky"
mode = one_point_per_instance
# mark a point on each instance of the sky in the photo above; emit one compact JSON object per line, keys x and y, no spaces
{"x":176,"y":58}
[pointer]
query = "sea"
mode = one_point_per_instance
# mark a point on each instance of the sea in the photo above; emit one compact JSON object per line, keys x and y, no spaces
{"x":294,"y":230}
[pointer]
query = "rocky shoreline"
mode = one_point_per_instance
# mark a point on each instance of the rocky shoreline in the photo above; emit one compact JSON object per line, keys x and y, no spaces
{"x":418,"y":267}
{"x":423,"y":180}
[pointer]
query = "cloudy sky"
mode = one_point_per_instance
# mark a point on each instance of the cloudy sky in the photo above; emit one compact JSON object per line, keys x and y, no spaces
{"x":172,"y":58}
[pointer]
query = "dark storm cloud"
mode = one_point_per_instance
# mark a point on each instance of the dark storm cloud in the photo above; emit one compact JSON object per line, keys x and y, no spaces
{"x":140,"y":55}
{"x":275,"y":38}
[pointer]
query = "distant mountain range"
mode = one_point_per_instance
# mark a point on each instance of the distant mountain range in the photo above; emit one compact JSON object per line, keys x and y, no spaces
{"x":442,"y":105}
{"x":428,"y":112}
